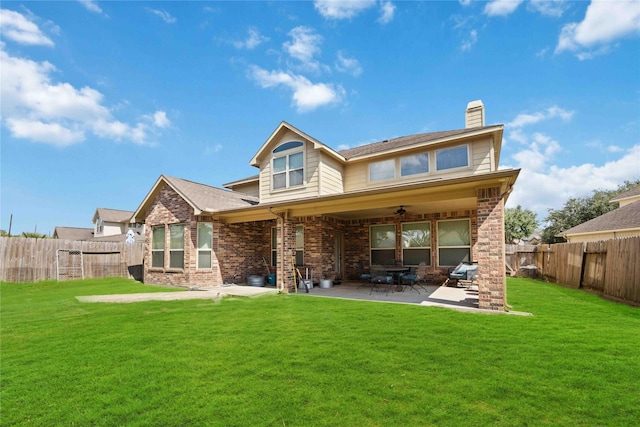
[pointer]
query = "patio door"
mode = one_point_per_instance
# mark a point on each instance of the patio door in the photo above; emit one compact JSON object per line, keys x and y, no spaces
{"x":339,"y":250}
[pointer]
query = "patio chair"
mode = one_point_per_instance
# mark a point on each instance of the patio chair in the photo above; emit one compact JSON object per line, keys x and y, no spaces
{"x":363,"y":274}
{"x":379,"y":277}
{"x":410,"y":279}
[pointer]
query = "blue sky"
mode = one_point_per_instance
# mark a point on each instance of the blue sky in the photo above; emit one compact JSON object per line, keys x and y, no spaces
{"x":101,"y":98}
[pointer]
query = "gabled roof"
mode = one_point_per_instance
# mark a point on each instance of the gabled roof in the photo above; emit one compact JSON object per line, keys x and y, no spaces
{"x":201,"y":197}
{"x":112,"y":215}
{"x":247,"y":180}
{"x":283,"y":127}
{"x":403,"y":142}
{"x":73,"y":233}
{"x":624,"y":218}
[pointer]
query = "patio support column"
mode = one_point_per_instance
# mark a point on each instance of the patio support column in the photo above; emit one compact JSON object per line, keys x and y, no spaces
{"x":490,"y":249}
{"x":286,"y":250}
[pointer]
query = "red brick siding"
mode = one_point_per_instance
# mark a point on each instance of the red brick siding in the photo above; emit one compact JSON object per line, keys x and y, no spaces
{"x":489,"y":250}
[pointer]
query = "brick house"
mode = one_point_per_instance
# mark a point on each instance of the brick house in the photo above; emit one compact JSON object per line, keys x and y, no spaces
{"x":436,"y":198}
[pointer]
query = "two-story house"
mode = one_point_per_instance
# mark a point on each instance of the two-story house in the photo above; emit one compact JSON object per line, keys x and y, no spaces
{"x":436,"y":198}
{"x":114,"y":224}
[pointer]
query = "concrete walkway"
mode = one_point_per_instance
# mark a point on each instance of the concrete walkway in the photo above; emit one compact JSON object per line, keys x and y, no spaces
{"x":213,"y":292}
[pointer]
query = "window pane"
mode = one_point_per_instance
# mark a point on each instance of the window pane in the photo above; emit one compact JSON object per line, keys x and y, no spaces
{"x":412,"y":165}
{"x":288,"y":146}
{"x":158,"y":238}
{"x":279,"y":180}
{"x":299,"y":237}
{"x":383,"y":236}
{"x":280,"y":164}
{"x":383,"y":257}
{"x":296,"y":177}
{"x":157,"y":259}
{"x":416,"y":256}
{"x":274,"y":237}
{"x":381,"y":170}
{"x":274,"y":258}
{"x":177,"y":236}
{"x":452,"y":158}
{"x":416,"y":235}
{"x":204,"y":259}
{"x":176,"y":259}
{"x":205,"y":235}
{"x":453,"y":256}
{"x":299,"y":258}
{"x":454,"y":233}
{"x":295,"y":161}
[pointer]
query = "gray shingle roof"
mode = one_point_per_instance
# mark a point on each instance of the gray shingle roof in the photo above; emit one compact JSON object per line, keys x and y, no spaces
{"x":618,"y":219}
{"x":73,"y":233}
{"x":208,"y":198}
{"x":114,"y":215}
{"x":404,"y":141}
{"x":633,"y":192}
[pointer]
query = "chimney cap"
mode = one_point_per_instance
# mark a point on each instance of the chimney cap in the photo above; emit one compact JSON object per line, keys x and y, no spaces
{"x":475,"y":104}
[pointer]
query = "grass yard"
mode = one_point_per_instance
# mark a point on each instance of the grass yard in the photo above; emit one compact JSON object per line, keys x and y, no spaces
{"x":295,"y":360}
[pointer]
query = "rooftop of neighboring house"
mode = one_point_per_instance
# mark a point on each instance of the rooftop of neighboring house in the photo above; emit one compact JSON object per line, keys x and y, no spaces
{"x":73,"y":233}
{"x":623,"y":218}
{"x":112,"y":215}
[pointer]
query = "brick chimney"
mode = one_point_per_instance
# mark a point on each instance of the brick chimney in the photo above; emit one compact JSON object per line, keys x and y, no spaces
{"x":474,"y":116}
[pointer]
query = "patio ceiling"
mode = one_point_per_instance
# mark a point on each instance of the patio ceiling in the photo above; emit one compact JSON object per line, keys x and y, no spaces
{"x":421,"y":198}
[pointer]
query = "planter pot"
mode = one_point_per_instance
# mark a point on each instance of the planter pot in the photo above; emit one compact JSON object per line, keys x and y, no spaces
{"x":255,"y":280}
{"x":326,"y":283}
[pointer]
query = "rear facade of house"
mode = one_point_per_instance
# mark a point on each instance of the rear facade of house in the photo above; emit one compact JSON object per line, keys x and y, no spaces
{"x":435,"y":198}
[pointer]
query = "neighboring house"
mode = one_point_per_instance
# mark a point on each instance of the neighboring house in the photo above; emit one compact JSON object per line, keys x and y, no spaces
{"x":436,"y":198}
{"x":113,"y":225}
{"x":618,"y":223}
{"x":73,"y":233}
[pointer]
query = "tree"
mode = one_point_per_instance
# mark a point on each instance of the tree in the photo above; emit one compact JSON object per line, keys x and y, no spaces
{"x":33,"y":234}
{"x":582,"y":209}
{"x":518,"y":223}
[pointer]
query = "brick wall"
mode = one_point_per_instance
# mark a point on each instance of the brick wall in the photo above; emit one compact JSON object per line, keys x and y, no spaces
{"x":489,"y":250}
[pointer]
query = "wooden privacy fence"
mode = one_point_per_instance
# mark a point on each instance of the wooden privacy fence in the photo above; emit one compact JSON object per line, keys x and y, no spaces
{"x":611,"y":267}
{"x":32,"y":260}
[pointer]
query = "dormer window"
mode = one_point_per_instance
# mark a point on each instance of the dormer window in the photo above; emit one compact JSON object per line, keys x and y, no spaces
{"x":288,"y":168}
{"x":99,"y":226}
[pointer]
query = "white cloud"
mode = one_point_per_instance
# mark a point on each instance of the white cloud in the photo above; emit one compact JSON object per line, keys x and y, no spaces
{"x":166,"y":16}
{"x":305,"y":44}
{"x":550,"y":186}
{"x":468,"y":43}
{"x":525,"y":119}
{"x":548,"y":7}
{"x":342,"y":9}
{"x":464,"y":2}
{"x":17,"y":27}
{"x":307,"y":96}
{"x":387,"y":11}
{"x":604,"y":22}
{"x":37,"y":109}
{"x":91,"y":6}
{"x":501,"y":7}
{"x":253,"y":40}
{"x":348,"y":65}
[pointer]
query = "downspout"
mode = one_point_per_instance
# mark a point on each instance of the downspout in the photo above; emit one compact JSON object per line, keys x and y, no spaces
{"x":280,"y":275}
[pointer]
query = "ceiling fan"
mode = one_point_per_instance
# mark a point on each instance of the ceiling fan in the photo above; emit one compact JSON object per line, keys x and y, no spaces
{"x":401,"y":211}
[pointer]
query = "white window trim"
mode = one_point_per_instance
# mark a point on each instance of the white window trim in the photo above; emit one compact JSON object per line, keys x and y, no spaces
{"x":470,"y":246}
{"x":376,"y":181}
{"x":435,"y":159}
{"x":163,"y":249}
{"x":428,"y":153}
{"x":286,"y":172}
{"x":395,"y":239}
{"x":199,"y":249}
{"x":416,"y":247}
{"x":171,"y":250}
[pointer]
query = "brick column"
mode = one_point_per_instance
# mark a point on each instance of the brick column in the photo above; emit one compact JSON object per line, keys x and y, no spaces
{"x":490,"y":249}
{"x":286,"y":251}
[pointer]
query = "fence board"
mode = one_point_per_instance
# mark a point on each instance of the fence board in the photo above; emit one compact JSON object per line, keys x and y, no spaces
{"x":611,"y":267}
{"x":31,"y":260}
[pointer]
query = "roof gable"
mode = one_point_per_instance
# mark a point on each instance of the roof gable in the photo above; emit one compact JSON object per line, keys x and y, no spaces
{"x":112,"y":215}
{"x":201,"y":197}
{"x":278,"y":132}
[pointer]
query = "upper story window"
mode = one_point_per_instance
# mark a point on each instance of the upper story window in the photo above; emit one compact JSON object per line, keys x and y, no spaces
{"x":451,"y":158}
{"x":99,"y":226}
{"x":379,"y":171}
{"x":288,"y":168}
{"x":414,"y":165}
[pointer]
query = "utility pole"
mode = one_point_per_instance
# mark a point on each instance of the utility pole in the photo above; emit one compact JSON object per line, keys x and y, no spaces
{"x":10,"y":222}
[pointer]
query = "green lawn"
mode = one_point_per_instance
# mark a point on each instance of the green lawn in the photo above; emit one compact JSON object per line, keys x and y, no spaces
{"x":295,"y":360}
